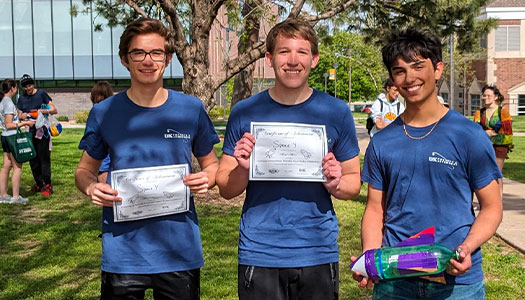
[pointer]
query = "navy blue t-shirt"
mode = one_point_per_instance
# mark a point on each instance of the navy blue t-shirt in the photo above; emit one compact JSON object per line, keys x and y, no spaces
{"x":291,"y":224}
{"x":27,"y":103}
{"x":430,"y":182}
{"x":136,"y":137}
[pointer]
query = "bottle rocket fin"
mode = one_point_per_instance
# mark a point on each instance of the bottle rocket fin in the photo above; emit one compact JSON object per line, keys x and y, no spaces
{"x":424,"y":237}
{"x":359,"y":265}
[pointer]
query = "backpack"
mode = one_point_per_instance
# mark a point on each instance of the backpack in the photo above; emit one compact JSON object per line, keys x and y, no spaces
{"x":370,"y":123}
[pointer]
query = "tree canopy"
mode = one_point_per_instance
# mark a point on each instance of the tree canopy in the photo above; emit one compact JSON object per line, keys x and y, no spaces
{"x":191,"y":21}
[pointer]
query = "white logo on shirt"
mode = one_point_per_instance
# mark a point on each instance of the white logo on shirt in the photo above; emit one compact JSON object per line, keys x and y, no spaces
{"x":174,"y":134}
{"x":440,"y":159}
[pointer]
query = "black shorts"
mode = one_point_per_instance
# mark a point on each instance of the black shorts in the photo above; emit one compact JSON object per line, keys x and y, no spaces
{"x":5,"y":146}
{"x":182,"y":285}
{"x":305,"y":283}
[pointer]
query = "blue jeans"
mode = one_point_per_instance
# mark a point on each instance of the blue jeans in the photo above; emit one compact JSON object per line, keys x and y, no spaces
{"x":407,"y":289}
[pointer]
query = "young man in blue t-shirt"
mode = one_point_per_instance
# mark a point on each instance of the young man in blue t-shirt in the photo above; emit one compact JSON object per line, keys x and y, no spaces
{"x":422,"y":171}
{"x":288,"y":231}
{"x":29,"y":103}
{"x":148,"y":126}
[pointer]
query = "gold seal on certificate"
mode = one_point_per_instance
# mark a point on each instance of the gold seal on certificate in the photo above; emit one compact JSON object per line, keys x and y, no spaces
{"x":288,"y":151}
{"x":150,"y":192}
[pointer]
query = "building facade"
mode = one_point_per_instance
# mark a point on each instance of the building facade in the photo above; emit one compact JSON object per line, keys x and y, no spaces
{"x":56,"y":43}
{"x":504,"y":65}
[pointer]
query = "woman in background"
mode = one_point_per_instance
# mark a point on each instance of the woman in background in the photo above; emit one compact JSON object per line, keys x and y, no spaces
{"x":101,"y":91}
{"x":497,"y":123}
{"x":9,"y":123}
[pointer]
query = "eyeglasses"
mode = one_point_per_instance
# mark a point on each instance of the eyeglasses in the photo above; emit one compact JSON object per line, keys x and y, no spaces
{"x":140,"y":55}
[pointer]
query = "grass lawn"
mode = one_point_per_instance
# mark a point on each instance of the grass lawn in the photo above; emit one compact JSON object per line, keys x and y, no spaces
{"x":50,"y":247}
{"x":514,"y":167}
{"x":518,"y":123}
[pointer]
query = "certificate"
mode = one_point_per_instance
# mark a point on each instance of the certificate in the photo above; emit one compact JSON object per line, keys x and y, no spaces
{"x":150,"y":192}
{"x":288,"y":151}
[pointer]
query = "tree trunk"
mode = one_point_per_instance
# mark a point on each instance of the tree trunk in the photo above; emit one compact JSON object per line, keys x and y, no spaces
{"x":243,"y":83}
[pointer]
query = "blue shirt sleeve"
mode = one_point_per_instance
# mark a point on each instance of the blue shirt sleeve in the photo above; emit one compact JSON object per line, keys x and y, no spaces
{"x":481,"y":167}
{"x":347,"y":146}
{"x":372,"y":168}
{"x":206,"y":136}
{"x":92,"y":141}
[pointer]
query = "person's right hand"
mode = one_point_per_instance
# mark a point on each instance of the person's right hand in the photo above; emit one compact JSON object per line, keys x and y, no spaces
{"x":364,"y":282}
{"x":243,"y":150}
{"x":102,"y":194}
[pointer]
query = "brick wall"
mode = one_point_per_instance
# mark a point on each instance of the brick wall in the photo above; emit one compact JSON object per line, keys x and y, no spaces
{"x":68,"y":104}
{"x":509,"y":72}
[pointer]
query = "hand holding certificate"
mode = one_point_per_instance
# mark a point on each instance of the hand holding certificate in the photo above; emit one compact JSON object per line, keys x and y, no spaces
{"x":288,"y":151}
{"x":150,"y":192}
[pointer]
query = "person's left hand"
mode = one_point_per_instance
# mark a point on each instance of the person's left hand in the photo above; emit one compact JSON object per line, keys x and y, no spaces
{"x":197,"y":182}
{"x":462,"y":264}
{"x":332,"y":171}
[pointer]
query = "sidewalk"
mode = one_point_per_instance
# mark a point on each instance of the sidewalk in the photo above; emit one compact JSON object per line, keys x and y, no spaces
{"x":511,"y":228}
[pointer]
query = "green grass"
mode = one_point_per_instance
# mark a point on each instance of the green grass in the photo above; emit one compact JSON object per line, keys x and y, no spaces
{"x":50,"y":247}
{"x":518,"y":123}
{"x":514,"y":167}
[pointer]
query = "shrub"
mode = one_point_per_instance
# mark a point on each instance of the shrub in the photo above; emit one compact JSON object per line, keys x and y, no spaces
{"x":81,"y":116}
{"x":218,"y":112}
{"x":63,"y":118}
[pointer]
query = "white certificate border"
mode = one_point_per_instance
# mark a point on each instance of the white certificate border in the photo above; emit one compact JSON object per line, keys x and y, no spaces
{"x":183,"y":167}
{"x":253,"y":126}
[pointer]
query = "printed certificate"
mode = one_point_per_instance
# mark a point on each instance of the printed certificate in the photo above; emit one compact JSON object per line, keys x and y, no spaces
{"x":288,"y":151}
{"x":150,"y":192}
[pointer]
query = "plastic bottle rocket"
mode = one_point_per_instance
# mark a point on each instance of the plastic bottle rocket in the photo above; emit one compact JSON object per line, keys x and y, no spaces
{"x":415,"y":256}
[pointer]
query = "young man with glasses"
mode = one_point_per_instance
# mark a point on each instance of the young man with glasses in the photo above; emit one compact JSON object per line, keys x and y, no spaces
{"x":148,"y":126}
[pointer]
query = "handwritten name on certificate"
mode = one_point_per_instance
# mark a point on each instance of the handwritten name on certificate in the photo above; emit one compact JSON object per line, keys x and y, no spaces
{"x":288,"y":151}
{"x":150,"y":192}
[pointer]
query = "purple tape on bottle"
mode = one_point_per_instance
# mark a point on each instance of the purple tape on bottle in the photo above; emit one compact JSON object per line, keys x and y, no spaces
{"x":406,"y":263}
{"x":370,"y":265}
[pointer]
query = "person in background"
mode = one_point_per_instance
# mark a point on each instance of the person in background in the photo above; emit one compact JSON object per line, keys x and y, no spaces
{"x":101,"y":91}
{"x":497,"y":123}
{"x":288,"y":231}
{"x":422,"y":171}
{"x":31,"y":102}
{"x":386,"y":108}
{"x":9,"y":123}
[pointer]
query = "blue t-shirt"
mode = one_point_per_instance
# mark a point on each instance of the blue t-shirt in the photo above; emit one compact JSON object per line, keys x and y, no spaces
{"x":430,"y":182}
{"x":137,"y":137}
{"x":291,"y":224}
{"x":27,"y":103}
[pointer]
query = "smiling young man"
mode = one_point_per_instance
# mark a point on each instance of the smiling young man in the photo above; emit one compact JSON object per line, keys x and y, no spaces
{"x":422,"y":171}
{"x":148,"y":126}
{"x":288,"y":231}
{"x":386,"y":108}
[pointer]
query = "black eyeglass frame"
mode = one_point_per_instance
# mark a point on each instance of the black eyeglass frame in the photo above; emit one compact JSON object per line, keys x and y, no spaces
{"x":146,"y":53}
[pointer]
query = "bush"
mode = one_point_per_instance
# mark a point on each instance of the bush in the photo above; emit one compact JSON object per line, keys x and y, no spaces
{"x":63,"y":118}
{"x":81,"y":116}
{"x":218,"y":112}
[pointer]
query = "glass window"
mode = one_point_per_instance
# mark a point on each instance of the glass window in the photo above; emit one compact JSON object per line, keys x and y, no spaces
{"x":82,"y":48}
{"x":119,"y":71}
{"x":507,"y":38}
{"x":6,"y":36}
{"x":475,"y":102}
{"x":63,"y":44}
{"x":23,"y":38}
{"x":521,"y":105}
{"x":102,"y":50}
{"x":42,"y":32}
